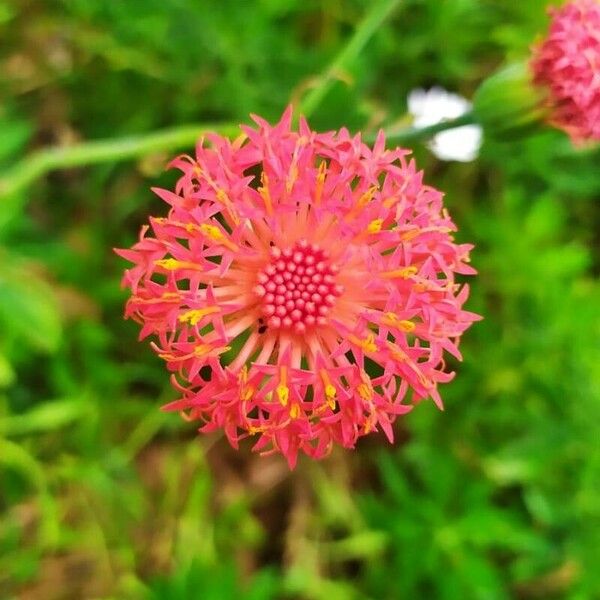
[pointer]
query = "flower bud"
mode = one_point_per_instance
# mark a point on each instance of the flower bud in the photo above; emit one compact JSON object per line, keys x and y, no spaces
{"x":507,"y":104}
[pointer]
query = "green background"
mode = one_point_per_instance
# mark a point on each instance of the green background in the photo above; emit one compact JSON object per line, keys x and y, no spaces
{"x":104,"y":496}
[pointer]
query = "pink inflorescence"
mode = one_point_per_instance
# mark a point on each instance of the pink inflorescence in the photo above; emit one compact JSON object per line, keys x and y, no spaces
{"x":298,"y":287}
{"x":301,"y":284}
{"x":567,"y":65}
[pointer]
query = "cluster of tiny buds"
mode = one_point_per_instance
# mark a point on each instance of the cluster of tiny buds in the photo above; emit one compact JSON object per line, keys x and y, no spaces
{"x":297,"y":287}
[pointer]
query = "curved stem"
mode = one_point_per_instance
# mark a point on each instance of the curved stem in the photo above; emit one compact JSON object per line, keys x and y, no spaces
{"x":88,"y":153}
{"x":365,"y":30}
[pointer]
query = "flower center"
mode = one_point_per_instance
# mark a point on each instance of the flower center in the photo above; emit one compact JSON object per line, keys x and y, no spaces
{"x":298,"y":287}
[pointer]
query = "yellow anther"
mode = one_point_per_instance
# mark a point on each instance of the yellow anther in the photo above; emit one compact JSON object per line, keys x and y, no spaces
{"x":406,"y":326}
{"x":203,"y":349}
{"x":330,"y":394}
{"x":192,"y":227}
{"x":330,"y":391}
{"x":364,"y":391}
{"x":223,"y":197}
{"x":252,"y":430}
{"x":243,"y":375}
{"x":215,"y":234}
{"x":246,"y":393}
{"x":264,"y":192}
{"x":375,"y":226}
{"x":171,"y":264}
{"x":410,"y":234}
{"x":321,"y":173}
{"x":392,"y":319}
{"x":366,"y":197}
{"x":194,"y":316}
{"x":404,"y":273}
{"x":295,"y":411}
{"x":368,"y":344}
{"x":363,"y":200}
{"x":293,"y":175}
{"x":283,"y":394}
{"x":212,"y":231}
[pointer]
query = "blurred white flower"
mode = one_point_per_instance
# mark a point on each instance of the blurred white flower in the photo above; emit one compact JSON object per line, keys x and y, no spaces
{"x":429,"y":107}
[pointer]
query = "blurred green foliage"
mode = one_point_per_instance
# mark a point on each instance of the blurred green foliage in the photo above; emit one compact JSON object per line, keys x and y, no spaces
{"x":103,"y":496}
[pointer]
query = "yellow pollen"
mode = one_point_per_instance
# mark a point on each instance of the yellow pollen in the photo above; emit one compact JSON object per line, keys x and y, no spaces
{"x":295,"y":411}
{"x":404,"y":273}
{"x":330,"y":394}
{"x":206,"y":348}
{"x":392,"y":319}
{"x":194,"y":316}
{"x":321,"y":173}
{"x":375,"y":226}
{"x":252,"y":430}
{"x":215,"y":234}
{"x":368,"y":344}
{"x":330,"y":391}
{"x":191,"y":227}
{"x":410,"y":234}
{"x":202,"y":349}
{"x":364,"y":391}
{"x":406,"y":326}
{"x":264,"y":192}
{"x":283,"y":392}
{"x":243,"y":375}
{"x":171,"y":264}
{"x":246,"y":393}
{"x":364,"y":199}
{"x":222,"y":196}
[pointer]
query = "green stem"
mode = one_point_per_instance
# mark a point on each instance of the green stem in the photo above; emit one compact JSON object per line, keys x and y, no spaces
{"x":371,"y":22}
{"x":416,"y":134}
{"x":43,"y":161}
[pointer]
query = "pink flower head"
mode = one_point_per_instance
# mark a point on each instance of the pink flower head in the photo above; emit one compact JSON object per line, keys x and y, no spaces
{"x":567,"y":65}
{"x":300,"y":285}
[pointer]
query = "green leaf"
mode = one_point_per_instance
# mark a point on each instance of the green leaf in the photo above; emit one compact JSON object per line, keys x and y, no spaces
{"x":29,"y":310}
